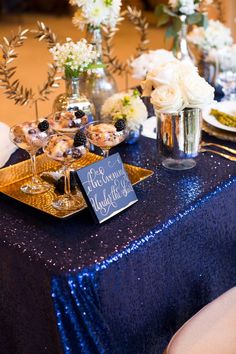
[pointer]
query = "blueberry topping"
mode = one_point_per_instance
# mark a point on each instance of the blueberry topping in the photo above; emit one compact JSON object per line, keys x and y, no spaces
{"x":32,"y":131}
{"x":76,"y":154}
{"x":79,"y":114}
{"x":43,"y":126}
{"x":72,"y":124}
{"x":120,"y":124}
{"x":80,"y":139}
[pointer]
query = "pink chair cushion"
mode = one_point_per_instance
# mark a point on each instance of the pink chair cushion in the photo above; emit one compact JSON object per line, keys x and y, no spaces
{"x":211,"y":331}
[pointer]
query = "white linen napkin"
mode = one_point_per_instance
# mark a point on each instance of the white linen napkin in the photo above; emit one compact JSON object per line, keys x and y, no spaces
{"x":6,"y":146}
{"x":149,"y":128}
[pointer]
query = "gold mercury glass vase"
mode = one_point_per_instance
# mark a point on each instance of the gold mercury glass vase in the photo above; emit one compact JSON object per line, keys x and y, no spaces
{"x":99,"y":84}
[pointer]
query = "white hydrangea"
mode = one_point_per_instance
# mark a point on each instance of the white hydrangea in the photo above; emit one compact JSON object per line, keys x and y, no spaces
{"x":227,"y":58}
{"x":215,"y":36}
{"x":187,"y":7}
{"x":96,"y":12}
{"x":75,"y":57}
{"x":150,"y":61}
{"x":125,"y":105}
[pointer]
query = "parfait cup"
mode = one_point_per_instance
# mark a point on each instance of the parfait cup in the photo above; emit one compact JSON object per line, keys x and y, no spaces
{"x":31,"y":137}
{"x":105,"y":136}
{"x":61,"y":148}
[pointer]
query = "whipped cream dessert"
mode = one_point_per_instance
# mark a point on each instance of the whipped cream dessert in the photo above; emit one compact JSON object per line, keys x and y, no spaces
{"x":68,"y":121}
{"x":104,"y":135}
{"x":62,"y":148}
{"x":31,"y":136}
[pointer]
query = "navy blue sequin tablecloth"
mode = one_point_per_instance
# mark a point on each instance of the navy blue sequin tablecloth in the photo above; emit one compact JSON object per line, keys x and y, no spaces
{"x":127,"y":285}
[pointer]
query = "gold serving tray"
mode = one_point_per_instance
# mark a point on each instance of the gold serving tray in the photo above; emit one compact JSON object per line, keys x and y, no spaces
{"x":12,"y":177}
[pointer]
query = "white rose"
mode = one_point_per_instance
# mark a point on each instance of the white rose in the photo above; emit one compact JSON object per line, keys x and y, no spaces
{"x":150,"y":61}
{"x":197,"y":92}
{"x":167,"y":99}
{"x":165,"y":74}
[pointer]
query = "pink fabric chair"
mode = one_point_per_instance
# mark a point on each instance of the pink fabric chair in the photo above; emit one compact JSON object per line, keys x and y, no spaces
{"x":211,"y":331}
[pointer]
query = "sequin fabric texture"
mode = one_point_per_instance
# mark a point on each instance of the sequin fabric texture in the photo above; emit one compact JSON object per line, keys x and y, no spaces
{"x":126,"y":286}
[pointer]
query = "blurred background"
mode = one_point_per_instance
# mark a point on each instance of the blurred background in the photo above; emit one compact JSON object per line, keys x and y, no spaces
{"x":57,"y":14}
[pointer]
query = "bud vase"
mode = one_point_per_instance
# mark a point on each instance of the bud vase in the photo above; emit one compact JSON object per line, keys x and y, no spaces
{"x":99,"y":84}
{"x":178,"y":138}
{"x":208,"y":68}
{"x":72,"y":100}
{"x":180,"y":48}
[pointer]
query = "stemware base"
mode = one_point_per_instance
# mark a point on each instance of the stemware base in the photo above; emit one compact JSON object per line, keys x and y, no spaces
{"x":67,"y":203}
{"x":35,"y":187}
{"x":179,"y":165}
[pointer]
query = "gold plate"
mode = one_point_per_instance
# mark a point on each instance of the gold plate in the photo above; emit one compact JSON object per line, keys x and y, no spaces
{"x":218,"y":133}
{"x":12,"y":177}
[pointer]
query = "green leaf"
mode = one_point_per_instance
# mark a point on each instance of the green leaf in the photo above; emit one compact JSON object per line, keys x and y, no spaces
{"x":167,"y":11}
{"x":170,"y":32}
{"x":194,"y":18}
{"x":204,"y":21}
{"x":162,"y":18}
{"x":177,"y":24}
{"x":159,"y":10}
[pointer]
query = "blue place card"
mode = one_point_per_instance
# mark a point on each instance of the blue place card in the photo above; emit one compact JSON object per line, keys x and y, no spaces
{"x":106,"y":187}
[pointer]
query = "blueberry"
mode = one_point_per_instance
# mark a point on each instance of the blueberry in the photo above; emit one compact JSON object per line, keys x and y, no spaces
{"x":80,"y":139}
{"x":120,"y":124}
{"x":43,"y":126}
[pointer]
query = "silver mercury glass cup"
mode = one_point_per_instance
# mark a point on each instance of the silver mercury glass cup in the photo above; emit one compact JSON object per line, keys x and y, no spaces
{"x":178,"y":138}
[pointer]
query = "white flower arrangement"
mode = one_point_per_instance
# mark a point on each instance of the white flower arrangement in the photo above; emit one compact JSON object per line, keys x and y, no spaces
{"x":74,"y":58}
{"x":187,"y":7}
{"x":128,"y":106}
{"x":227,"y":58}
{"x":96,"y":13}
{"x":175,"y":86}
{"x":215,"y":36}
{"x":149,"y":61}
{"x":179,"y":12}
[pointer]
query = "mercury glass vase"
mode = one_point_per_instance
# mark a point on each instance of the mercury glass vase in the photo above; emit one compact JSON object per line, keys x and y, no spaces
{"x":73,"y":100}
{"x":178,"y":138}
{"x":181,"y":49}
{"x":208,"y":69}
{"x":100,"y":84}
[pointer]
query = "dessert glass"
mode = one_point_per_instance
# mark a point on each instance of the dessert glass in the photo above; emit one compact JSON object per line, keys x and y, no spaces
{"x":68,"y":122}
{"x":104,"y":135}
{"x":29,"y":137}
{"x":61,"y":148}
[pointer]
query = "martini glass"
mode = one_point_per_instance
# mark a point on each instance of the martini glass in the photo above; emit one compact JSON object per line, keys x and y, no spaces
{"x":31,"y":136}
{"x":62,"y":148}
{"x":68,"y":122}
{"x":105,"y":136}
